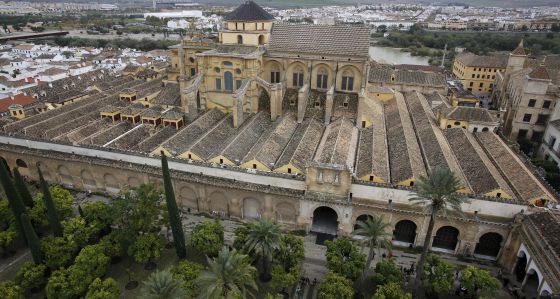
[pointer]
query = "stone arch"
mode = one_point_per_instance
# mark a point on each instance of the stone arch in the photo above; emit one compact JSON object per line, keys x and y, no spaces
{"x":87,"y":180}
{"x":188,"y":198}
{"x":218,"y":203}
{"x":532,"y":281}
{"x":520,"y":265}
{"x":446,"y":238}
{"x":362,"y":217}
{"x":489,"y":245}
{"x":261,"y":39}
{"x":133,"y":182}
{"x":45,"y":171}
{"x":405,"y":232}
{"x":273,"y":71}
{"x":325,"y":220}
{"x":296,"y":73}
{"x":111,"y":183}
{"x":20,"y":163}
{"x":285,"y":213}
{"x":345,"y":72}
{"x":64,"y":175}
{"x":318,"y":79}
{"x":240,"y":39}
{"x":251,"y":208}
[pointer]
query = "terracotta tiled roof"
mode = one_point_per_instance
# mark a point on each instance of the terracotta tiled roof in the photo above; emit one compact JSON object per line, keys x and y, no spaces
{"x":472,"y":60}
{"x":539,"y":73}
{"x":468,"y":114}
{"x":20,"y":99}
{"x":249,"y":11}
{"x":547,"y":225}
{"x":320,"y":39}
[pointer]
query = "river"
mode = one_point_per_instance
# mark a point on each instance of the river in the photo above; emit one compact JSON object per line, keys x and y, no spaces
{"x":395,"y":56}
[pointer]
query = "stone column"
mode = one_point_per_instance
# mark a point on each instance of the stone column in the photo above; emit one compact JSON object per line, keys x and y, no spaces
{"x":329,"y":105}
{"x":268,"y":207}
{"x":303,"y":96}
{"x":238,"y":110}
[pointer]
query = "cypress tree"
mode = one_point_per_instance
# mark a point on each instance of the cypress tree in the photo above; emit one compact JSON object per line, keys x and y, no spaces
{"x":81,"y":212}
{"x":174,"y":217}
{"x":52,"y":214}
{"x":21,"y":189}
{"x":32,"y":239}
{"x":15,"y":202}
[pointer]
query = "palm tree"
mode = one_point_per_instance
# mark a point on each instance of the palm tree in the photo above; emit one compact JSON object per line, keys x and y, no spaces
{"x":263,"y":239}
{"x":437,"y":193}
{"x":229,"y":275}
{"x":373,"y":234}
{"x":162,"y":285}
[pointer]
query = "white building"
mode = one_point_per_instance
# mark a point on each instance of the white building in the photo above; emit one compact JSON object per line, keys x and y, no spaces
{"x":550,"y":148}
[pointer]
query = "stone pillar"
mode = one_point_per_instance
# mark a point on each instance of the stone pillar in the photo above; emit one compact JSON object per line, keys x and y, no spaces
{"x":303,"y":96}
{"x":275,"y":93}
{"x":238,"y":110}
{"x":181,"y":54}
{"x":268,"y":207}
{"x":235,"y":208}
{"x":329,"y":105}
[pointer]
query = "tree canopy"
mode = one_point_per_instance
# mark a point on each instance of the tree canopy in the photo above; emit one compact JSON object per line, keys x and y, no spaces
{"x":344,"y":258}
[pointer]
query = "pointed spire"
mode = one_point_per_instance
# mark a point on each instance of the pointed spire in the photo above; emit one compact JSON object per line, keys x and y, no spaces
{"x":519,"y":50}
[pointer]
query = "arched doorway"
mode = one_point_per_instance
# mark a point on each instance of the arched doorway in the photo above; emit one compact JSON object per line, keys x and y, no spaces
{"x":111,"y":183}
{"x":405,"y":232}
{"x":489,"y":245}
{"x":446,"y":238}
{"x":65,"y":176}
{"x":261,"y":39}
{"x":325,"y":220}
{"x":251,"y":208}
{"x":363,"y":218}
{"x":188,"y":199}
{"x":532,"y":282}
{"x":88,"y":181}
{"x":520,"y":266}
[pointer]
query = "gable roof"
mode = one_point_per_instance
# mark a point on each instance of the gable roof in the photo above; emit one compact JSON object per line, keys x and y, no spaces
{"x":320,"y":39}
{"x":249,"y":11}
{"x":539,"y":73}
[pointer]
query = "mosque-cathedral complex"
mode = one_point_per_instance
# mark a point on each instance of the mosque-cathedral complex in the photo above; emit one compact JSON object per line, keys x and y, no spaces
{"x":295,"y":123}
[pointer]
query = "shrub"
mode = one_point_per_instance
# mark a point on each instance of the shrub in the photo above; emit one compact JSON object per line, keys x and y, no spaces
{"x":187,"y":272}
{"x":208,"y":237}
{"x":31,"y":275}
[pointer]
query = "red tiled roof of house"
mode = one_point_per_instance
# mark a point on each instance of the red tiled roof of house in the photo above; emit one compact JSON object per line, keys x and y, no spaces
{"x":20,"y":99}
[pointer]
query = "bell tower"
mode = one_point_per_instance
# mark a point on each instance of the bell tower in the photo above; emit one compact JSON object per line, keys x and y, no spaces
{"x":249,"y":24}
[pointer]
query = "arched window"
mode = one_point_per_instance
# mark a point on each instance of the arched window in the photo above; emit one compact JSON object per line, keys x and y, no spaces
{"x":485,"y":129}
{"x":240,"y":39}
{"x":275,"y":74}
{"x":261,"y":39}
{"x":297,"y":80}
{"x":228,"y":80}
{"x":347,"y":80}
{"x":322,"y":78}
